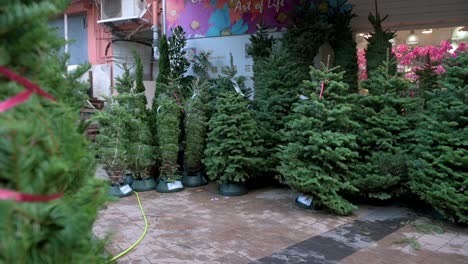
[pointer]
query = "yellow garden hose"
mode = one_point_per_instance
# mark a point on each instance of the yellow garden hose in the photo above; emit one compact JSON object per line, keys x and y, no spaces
{"x":139,"y":239}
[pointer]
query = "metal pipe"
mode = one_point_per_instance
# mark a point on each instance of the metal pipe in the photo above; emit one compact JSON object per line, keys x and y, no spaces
{"x":65,"y":31}
{"x":155,"y":29}
{"x":164,"y":16}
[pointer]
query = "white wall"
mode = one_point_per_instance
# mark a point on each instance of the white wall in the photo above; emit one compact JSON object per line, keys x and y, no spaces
{"x":412,"y":14}
{"x":122,"y":52}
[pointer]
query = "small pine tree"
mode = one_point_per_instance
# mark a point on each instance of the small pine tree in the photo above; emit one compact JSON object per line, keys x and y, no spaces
{"x":168,"y":116}
{"x":201,"y":66}
{"x":124,"y":83}
{"x":378,"y":44}
{"x":344,"y":45}
{"x":42,"y":151}
{"x":139,"y":72}
{"x":304,"y":38}
{"x":225,"y":83}
{"x":164,"y":69}
{"x":112,"y":140}
{"x":261,"y":43}
{"x":438,"y":173}
{"x":196,"y":122}
{"x":177,"y":54}
{"x":233,"y":147}
{"x":320,"y":147}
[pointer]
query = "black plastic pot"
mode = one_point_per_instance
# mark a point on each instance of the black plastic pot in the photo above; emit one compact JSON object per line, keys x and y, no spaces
{"x":128,"y":179}
{"x":194,"y":179}
{"x":304,"y":203}
{"x":115,"y":190}
{"x":144,"y":185}
{"x":169,"y":187}
{"x":232,"y":189}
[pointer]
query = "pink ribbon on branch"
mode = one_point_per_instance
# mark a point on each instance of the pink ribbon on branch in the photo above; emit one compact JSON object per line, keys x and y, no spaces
{"x":24,"y":197}
{"x":23,"y":96}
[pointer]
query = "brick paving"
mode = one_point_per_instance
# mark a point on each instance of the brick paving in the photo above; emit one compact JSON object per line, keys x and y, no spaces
{"x":199,"y":226}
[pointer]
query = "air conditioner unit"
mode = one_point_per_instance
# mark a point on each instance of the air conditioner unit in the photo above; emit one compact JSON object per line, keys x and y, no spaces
{"x":117,"y":10}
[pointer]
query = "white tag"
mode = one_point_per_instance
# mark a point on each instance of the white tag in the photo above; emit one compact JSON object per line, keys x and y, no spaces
{"x":304,"y":199}
{"x":303,"y":97}
{"x":174,"y":185}
{"x":125,"y":189}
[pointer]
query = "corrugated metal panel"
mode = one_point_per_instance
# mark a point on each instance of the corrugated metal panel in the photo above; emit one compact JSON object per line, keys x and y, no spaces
{"x":412,"y":14}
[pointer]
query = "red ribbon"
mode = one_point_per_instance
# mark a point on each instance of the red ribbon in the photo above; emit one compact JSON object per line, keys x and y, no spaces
{"x":24,"y":197}
{"x":10,"y":103}
{"x":23,"y":96}
{"x":321,"y":90}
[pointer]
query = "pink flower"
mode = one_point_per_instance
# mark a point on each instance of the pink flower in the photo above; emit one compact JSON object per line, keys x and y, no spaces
{"x":439,"y":69}
{"x":402,"y":48}
{"x":411,"y":76}
{"x":461,"y":47}
{"x":445,"y":45}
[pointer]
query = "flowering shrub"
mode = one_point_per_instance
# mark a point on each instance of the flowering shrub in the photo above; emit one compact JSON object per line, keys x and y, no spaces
{"x":415,"y":58}
{"x":362,"y":64}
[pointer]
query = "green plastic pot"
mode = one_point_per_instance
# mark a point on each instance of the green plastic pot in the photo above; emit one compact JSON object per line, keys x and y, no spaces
{"x":143,"y":185}
{"x":168,"y":187}
{"x":115,"y":191}
{"x":194,"y":179}
{"x":232,"y":189}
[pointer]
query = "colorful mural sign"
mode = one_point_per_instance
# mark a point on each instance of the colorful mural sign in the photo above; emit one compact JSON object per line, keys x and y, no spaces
{"x":213,"y":18}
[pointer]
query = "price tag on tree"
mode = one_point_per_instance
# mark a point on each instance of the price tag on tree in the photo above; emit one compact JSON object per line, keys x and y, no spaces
{"x":125,"y":189}
{"x":174,"y":185}
{"x":304,"y":199}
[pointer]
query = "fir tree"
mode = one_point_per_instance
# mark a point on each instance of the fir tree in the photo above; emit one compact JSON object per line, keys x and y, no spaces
{"x":378,"y":44}
{"x":320,"y":147}
{"x":124,"y":83}
{"x":438,"y":173}
{"x":381,"y":171}
{"x":344,"y":46}
{"x":277,"y":90}
{"x":168,"y":136}
{"x":304,"y":38}
{"x":233,"y":147}
{"x":41,"y":150}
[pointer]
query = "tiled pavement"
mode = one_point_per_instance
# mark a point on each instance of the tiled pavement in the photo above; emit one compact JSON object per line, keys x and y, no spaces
{"x":265,"y":226}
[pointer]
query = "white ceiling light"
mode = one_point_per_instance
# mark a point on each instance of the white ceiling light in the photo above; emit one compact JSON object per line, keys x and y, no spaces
{"x":427,"y":31}
{"x":459,"y":34}
{"x":412,"y":39}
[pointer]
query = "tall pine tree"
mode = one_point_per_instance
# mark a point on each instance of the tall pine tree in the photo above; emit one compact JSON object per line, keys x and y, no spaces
{"x":343,"y":43}
{"x":438,"y":173}
{"x":320,"y":146}
{"x":381,"y":171}
{"x":378,"y":44}
{"x":304,"y":38}
{"x":41,"y":150}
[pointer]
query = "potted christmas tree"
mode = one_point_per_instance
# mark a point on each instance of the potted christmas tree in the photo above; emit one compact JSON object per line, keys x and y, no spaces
{"x":233,"y":146}
{"x":195,"y":134}
{"x":320,"y":146}
{"x":111,"y":143}
{"x":168,"y":118}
